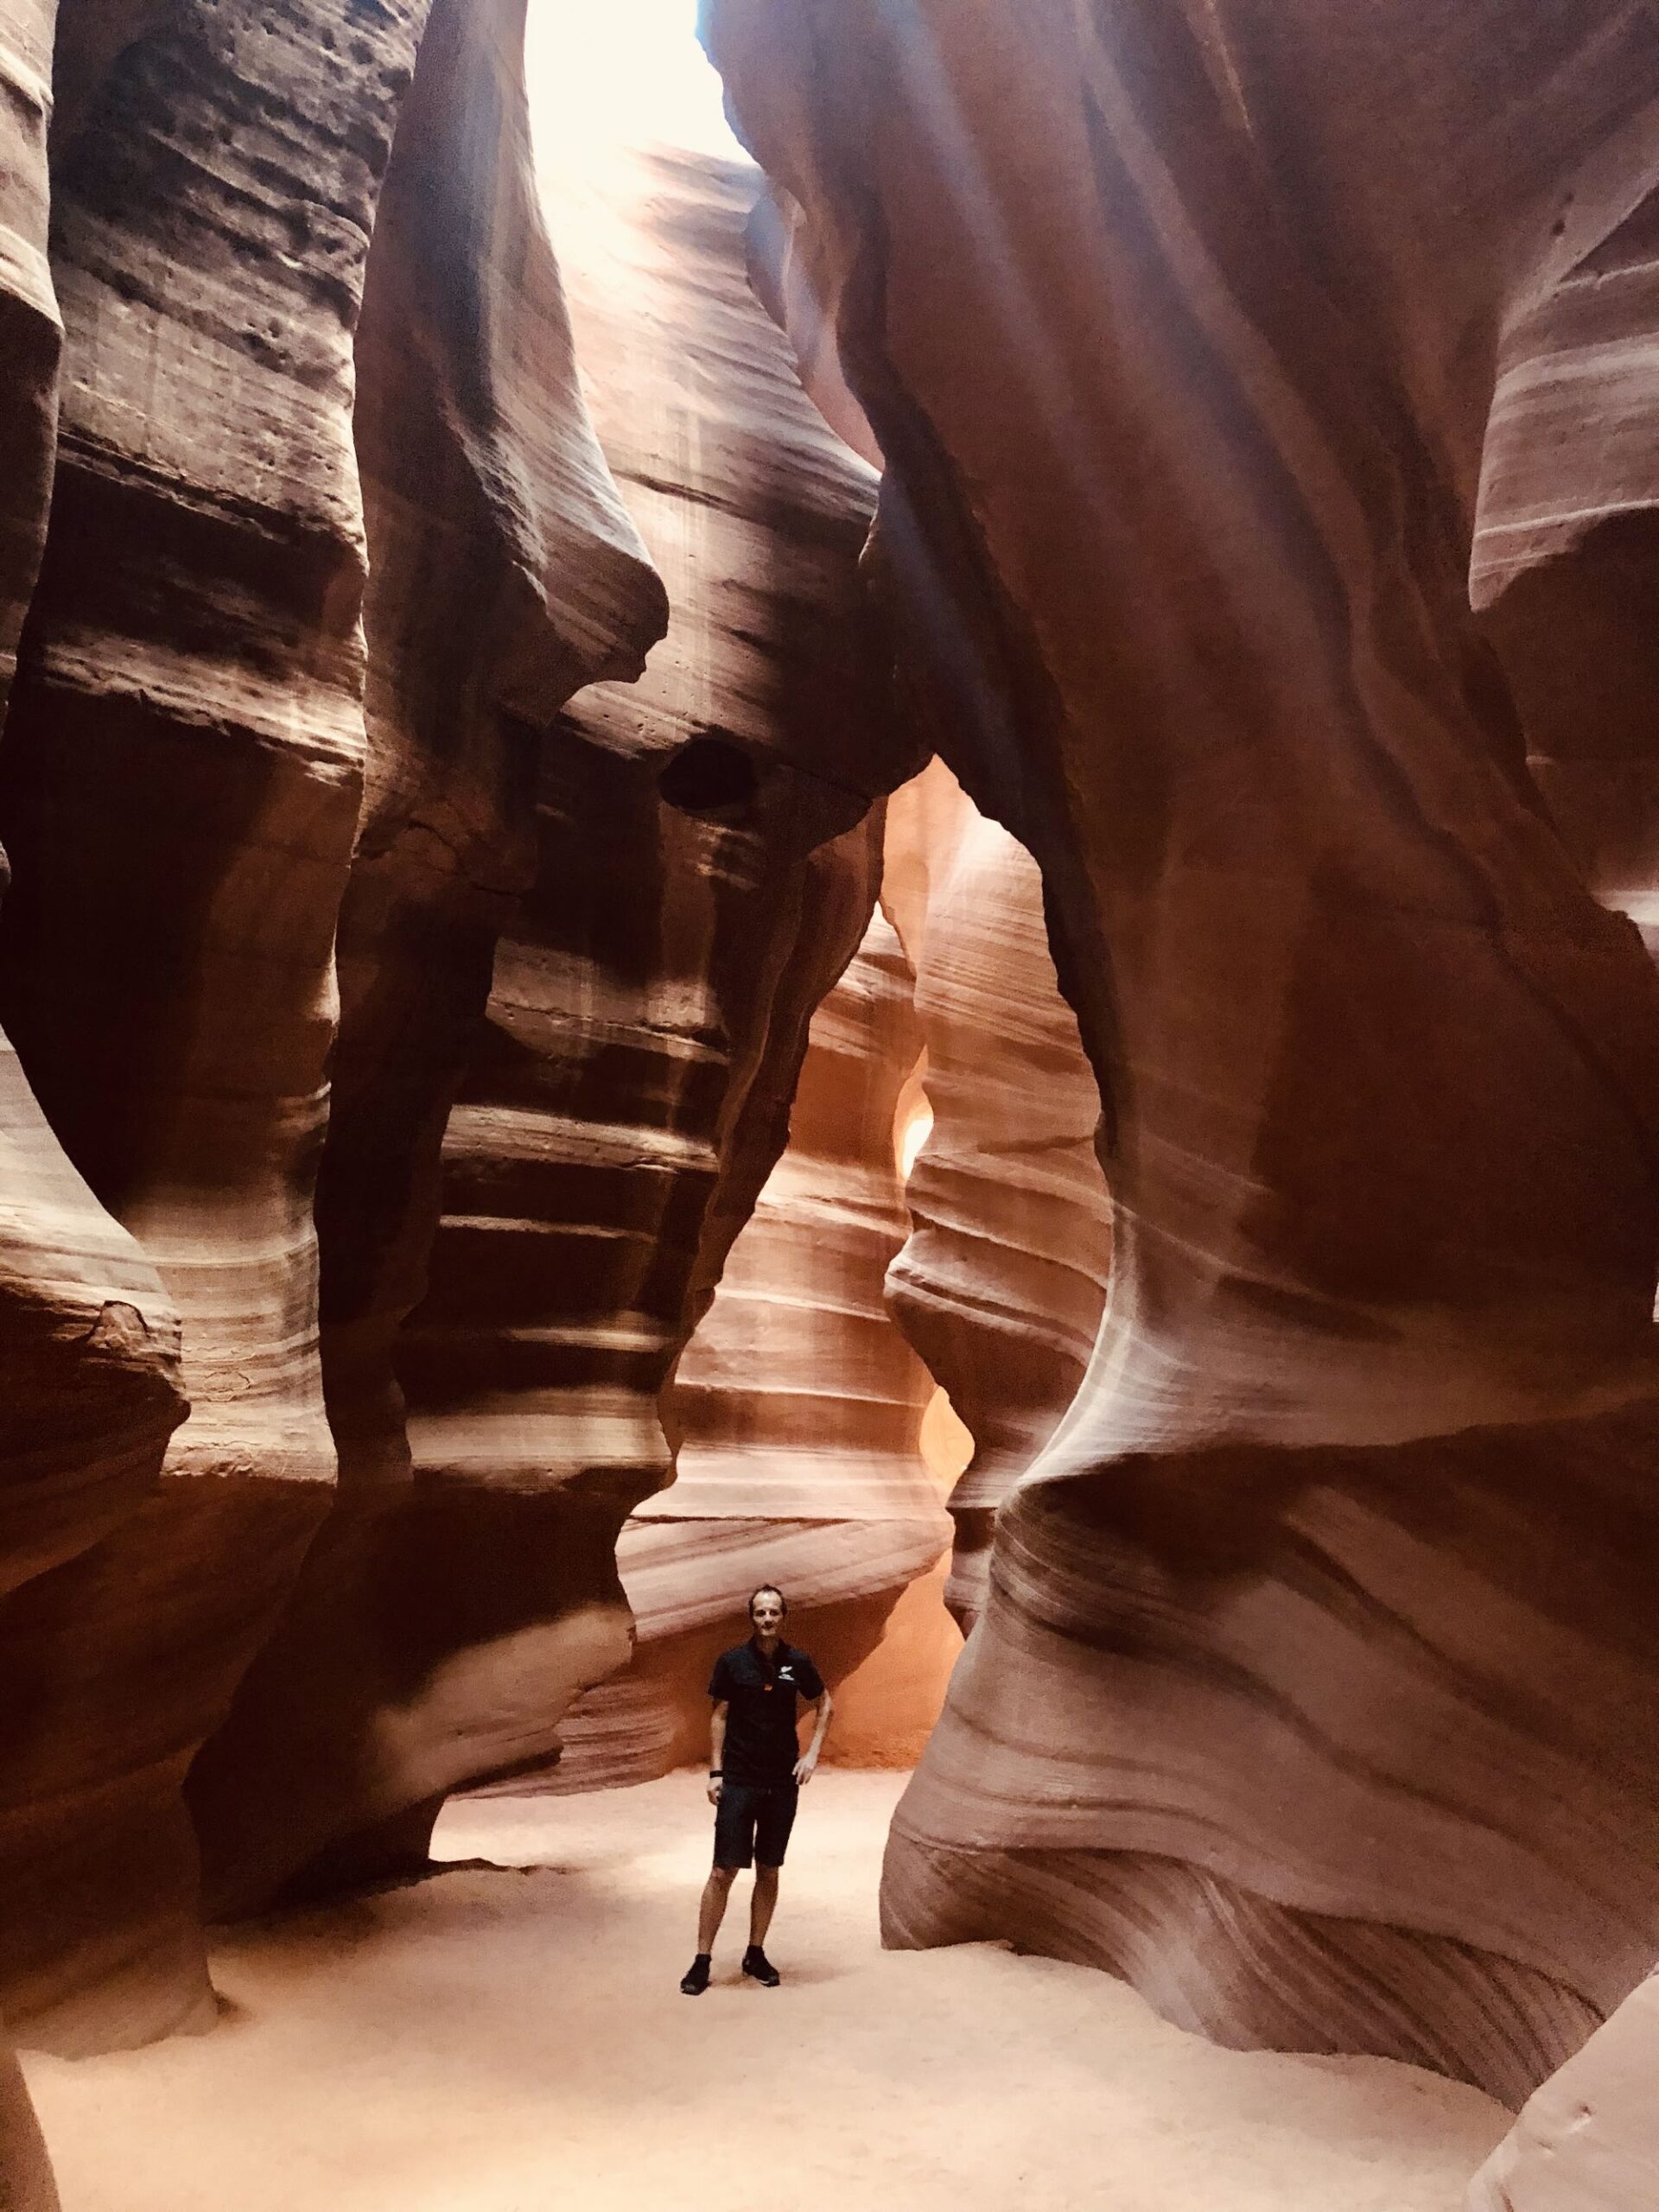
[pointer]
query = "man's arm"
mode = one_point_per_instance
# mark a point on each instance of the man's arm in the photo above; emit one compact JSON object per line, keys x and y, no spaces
{"x":716,"y":1748}
{"x":804,"y":1765}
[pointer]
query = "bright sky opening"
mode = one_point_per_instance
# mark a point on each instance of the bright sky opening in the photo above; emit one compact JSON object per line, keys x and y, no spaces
{"x":605,"y":71}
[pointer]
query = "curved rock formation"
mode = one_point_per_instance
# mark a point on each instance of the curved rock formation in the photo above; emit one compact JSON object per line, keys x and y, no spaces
{"x":1588,"y":2140}
{"x":179,"y":786}
{"x":484,"y":490}
{"x":796,"y":1407}
{"x":88,"y":1341}
{"x":625,"y":972}
{"x":1001,"y":1283}
{"x":1216,"y":350}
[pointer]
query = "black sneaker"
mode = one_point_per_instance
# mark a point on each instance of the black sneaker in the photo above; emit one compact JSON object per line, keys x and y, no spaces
{"x":695,"y":1979}
{"x":758,"y":1967}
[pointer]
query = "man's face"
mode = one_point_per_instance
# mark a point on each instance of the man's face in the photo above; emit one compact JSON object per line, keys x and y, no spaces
{"x":767,"y":1613}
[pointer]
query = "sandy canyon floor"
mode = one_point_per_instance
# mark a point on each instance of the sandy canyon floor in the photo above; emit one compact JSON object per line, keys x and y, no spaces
{"x":511,"y":2038}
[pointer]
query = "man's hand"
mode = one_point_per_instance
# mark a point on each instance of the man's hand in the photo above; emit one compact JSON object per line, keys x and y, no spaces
{"x":805,"y":1766}
{"x":715,"y":1786}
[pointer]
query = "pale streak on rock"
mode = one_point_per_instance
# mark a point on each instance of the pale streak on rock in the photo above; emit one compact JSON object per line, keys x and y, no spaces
{"x":1308,"y":1689}
{"x":1588,"y":2140}
{"x":31,"y":331}
{"x":1002,"y":1280}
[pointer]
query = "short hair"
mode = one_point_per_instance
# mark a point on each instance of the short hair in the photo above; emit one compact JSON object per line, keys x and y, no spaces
{"x":768,"y":1590}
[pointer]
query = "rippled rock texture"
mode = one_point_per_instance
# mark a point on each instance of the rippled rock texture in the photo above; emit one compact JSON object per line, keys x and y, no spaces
{"x":179,"y":788}
{"x":1270,"y":470}
{"x":89,"y":1381}
{"x":88,"y":1340}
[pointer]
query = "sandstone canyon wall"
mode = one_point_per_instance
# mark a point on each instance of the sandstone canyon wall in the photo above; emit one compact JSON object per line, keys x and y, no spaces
{"x":797,"y":1461}
{"x":403,"y":1041}
{"x":329,"y":543}
{"x":579,"y":956}
{"x":89,"y":1389}
{"x":88,"y":1341}
{"x":26,"y":2182}
{"x":1253,"y":389}
{"x":179,"y":784}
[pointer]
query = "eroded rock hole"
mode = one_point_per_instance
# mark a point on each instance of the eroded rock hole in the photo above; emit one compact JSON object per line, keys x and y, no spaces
{"x":710,"y":776}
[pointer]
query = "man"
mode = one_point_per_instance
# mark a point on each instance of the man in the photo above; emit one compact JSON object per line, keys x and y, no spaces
{"x":756,"y":1767}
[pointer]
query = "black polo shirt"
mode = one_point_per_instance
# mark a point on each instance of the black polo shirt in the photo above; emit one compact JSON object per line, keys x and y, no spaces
{"x":760,"y":1695}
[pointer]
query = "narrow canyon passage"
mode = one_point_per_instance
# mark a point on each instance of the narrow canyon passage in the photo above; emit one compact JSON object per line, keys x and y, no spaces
{"x":856,"y":800}
{"x":502,"y":2040}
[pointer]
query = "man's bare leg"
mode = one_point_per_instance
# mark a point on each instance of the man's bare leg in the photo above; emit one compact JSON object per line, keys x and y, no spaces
{"x":712,"y":1910}
{"x":762,"y":1904}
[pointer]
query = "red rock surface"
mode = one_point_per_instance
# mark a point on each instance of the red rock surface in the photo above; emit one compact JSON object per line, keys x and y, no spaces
{"x":30,"y":327}
{"x":1002,"y":1280}
{"x":179,"y":786}
{"x":1269,"y":413}
{"x":1244,"y":382}
{"x":88,"y":1340}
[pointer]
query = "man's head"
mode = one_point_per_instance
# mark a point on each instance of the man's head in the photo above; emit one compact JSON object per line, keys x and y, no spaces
{"x":767,"y":1611}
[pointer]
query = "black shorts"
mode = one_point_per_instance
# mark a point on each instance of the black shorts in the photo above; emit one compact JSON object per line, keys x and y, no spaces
{"x":753,"y":1821}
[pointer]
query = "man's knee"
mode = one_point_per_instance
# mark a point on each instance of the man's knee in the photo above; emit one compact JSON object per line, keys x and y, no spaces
{"x":723,"y":1877}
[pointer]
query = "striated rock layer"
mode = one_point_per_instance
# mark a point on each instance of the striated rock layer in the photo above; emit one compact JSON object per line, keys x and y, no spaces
{"x":484,"y":490}
{"x":578,"y":956}
{"x":1001,"y":1282}
{"x":88,"y":1340}
{"x":1588,"y":2140}
{"x":1258,"y":383}
{"x":797,"y":1409}
{"x":179,"y":786}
